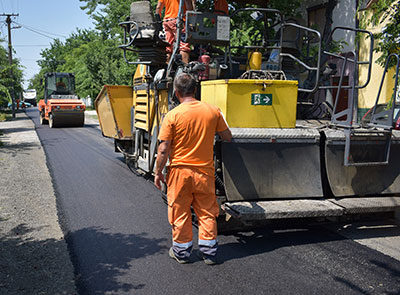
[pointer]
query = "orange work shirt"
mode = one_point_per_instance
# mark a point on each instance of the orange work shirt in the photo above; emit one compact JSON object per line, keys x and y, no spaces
{"x":191,"y":128}
{"x":171,"y":8}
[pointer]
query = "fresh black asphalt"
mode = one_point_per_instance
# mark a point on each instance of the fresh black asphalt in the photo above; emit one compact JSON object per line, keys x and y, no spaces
{"x":118,"y":235}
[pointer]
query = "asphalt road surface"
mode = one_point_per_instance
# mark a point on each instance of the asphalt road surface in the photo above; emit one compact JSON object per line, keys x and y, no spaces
{"x":119,"y":236}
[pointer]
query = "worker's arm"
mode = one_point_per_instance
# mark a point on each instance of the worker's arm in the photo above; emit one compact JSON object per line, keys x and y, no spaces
{"x":162,"y":158}
{"x":225,"y":135}
{"x":159,"y":8}
{"x":193,"y":4}
{"x":189,"y":5}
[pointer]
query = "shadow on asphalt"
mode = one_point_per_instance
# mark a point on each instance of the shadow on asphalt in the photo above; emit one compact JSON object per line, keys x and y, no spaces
{"x":91,"y":125}
{"x":368,"y":229}
{"x":26,"y":263}
{"x":354,"y":287}
{"x":264,"y":240}
{"x":110,"y":265}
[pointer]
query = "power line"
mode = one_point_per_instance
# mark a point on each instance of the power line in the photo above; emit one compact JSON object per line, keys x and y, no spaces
{"x":38,"y":30}
{"x":40,"y":33}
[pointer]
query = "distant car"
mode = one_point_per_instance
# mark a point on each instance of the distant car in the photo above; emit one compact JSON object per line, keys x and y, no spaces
{"x":21,"y":104}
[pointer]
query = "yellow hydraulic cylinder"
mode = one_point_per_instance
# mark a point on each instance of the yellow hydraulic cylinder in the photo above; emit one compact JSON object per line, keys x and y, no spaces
{"x":255,"y":60}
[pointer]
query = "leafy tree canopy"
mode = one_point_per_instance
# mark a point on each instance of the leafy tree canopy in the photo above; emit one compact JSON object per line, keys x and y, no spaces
{"x":388,"y":40}
{"x":6,"y":81}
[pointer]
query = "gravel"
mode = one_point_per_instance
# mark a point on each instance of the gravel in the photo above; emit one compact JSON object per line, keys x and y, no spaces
{"x":34,"y":257}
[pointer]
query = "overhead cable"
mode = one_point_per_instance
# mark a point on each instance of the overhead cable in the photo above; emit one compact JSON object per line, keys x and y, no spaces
{"x":40,"y":32}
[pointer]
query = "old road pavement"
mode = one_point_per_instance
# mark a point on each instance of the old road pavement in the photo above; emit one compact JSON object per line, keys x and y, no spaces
{"x":118,"y":235}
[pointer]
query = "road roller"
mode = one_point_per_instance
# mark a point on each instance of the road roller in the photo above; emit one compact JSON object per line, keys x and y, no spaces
{"x":61,"y":107}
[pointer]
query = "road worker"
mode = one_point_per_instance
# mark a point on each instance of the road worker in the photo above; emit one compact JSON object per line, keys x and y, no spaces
{"x":169,"y":23}
{"x":61,"y":86}
{"x":187,"y":138}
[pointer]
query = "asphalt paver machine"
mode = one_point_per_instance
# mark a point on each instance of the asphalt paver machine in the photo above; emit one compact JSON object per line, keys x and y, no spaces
{"x":279,"y":164}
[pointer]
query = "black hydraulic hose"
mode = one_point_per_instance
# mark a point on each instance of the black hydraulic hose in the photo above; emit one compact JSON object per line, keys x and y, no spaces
{"x":219,"y":183}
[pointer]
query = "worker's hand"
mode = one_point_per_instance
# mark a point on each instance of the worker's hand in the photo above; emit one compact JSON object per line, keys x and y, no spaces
{"x":158,"y":179}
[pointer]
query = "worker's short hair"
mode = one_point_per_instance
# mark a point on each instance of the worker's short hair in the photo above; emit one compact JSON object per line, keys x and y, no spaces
{"x":185,"y":84}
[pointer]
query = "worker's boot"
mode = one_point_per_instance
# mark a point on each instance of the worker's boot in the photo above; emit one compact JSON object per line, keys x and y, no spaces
{"x":208,"y":259}
{"x":208,"y":251}
{"x":180,"y":260}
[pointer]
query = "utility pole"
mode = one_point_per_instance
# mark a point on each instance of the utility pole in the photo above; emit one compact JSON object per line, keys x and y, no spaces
{"x":8,"y":21}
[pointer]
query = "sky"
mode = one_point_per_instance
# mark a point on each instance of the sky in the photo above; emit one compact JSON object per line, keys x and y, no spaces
{"x":52,"y":18}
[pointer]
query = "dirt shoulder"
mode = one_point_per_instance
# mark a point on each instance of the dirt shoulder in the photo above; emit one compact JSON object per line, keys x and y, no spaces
{"x":34,"y":257}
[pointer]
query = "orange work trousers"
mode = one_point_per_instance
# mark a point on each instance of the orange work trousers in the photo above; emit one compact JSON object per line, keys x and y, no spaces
{"x":188,"y":187}
{"x":170,"y":36}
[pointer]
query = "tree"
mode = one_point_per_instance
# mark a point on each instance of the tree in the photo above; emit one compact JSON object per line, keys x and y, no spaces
{"x":388,"y":40}
{"x":95,"y":61}
{"x":6,"y":82}
{"x":107,"y":14}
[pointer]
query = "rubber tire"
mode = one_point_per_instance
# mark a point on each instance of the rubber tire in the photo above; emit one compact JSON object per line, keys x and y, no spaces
{"x":52,"y":123}
{"x":42,"y":120}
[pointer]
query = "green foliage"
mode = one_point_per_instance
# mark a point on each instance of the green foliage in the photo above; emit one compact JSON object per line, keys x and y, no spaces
{"x":246,"y":31}
{"x":106,"y":15}
{"x":5,"y":97}
{"x":94,"y":61}
{"x":388,"y":40}
{"x":6,"y":81}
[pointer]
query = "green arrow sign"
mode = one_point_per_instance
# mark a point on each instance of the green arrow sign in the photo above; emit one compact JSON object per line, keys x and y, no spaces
{"x":261,"y":99}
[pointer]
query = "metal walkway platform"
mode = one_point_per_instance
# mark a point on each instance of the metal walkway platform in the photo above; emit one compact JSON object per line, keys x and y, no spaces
{"x":284,"y":209}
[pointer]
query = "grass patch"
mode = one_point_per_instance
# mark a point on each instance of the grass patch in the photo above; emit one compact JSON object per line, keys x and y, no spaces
{"x":5,"y":115}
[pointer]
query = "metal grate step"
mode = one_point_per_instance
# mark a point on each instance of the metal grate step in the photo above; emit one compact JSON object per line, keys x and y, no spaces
{"x":281,"y":209}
